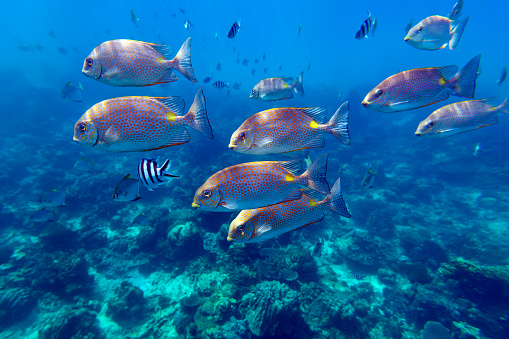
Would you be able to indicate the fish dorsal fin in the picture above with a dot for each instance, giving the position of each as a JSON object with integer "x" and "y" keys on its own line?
{"x": 293, "y": 166}
{"x": 316, "y": 113}
{"x": 174, "y": 104}
{"x": 165, "y": 50}
{"x": 448, "y": 72}
{"x": 288, "y": 80}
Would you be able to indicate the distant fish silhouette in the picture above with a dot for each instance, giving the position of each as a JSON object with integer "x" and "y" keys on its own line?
{"x": 234, "y": 29}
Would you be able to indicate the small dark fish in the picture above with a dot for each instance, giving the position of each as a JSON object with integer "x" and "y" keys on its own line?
{"x": 40, "y": 48}
{"x": 220, "y": 84}
{"x": 253, "y": 71}
{"x": 369, "y": 25}
{"x": 42, "y": 215}
{"x": 501, "y": 80}
{"x": 128, "y": 189}
{"x": 62, "y": 50}
{"x": 263, "y": 56}
{"x": 318, "y": 248}
{"x": 151, "y": 176}
{"x": 280, "y": 67}
{"x": 299, "y": 29}
{"x": 265, "y": 70}
{"x": 256, "y": 61}
{"x": 234, "y": 29}
{"x": 309, "y": 66}
{"x": 26, "y": 48}
{"x": 71, "y": 92}
{"x": 207, "y": 80}
{"x": 409, "y": 25}
{"x": 369, "y": 177}
{"x": 244, "y": 62}
{"x": 187, "y": 24}
{"x": 141, "y": 220}
{"x": 52, "y": 198}
{"x": 218, "y": 67}
{"x": 358, "y": 277}
{"x": 51, "y": 34}
{"x": 134, "y": 18}
{"x": 456, "y": 11}
{"x": 182, "y": 11}
{"x": 236, "y": 85}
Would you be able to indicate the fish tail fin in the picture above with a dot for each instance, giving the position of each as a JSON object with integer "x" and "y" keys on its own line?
{"x": 298, "y": 85}
{"x": 315, "y": 175}
{"x": 338, "y": 124}
{"x": 457, "y": 33}
{"x": 197, "y": 115}
{"x": 463, "y": 83}
{"x": 504, "y": 107}
{"x": 166, "y": 167}
{"x": 182, "y": 61}
{"x": 334, "y": 201}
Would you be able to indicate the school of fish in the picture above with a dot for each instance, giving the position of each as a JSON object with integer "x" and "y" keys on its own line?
{"x": 273, "y": 197}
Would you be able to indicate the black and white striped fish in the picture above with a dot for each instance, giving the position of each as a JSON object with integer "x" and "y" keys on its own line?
{"x": 221, "y": 84}
{"x": 369, "y": 25}
{"x": 234, "y": 29}
{"x": 151, "y": 176}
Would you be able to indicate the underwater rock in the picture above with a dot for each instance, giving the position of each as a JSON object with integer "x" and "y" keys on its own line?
{"x": 270, "y": 305}
{"x": 215, "y": 310}
{"x": 386, "y": 276}
{"x": 276, "y": 265}
{"x": 60, "y": 272}
{"x": 417, "y": 273}
{"x": 147, "y": 238}
{"x": 210, "y": 241}
{"x": 435, "y": 330}
{"x": 15, "y": 305}
{"x": 80, "y": 323}
{"x": 128, "y": 307}
{"x": 484, "y": 284}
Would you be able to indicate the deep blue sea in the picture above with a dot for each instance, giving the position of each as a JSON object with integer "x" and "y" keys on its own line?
{"x": 424, "y": 255}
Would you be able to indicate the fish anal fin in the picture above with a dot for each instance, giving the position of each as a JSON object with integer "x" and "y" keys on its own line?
{"x": 293, "y": 195}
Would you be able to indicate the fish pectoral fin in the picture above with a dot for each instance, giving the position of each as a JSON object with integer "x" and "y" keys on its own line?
{"x": 264, "y": 228}
{"x": 109, "y": 74}
{"x": 111, "y": 136}
{"x": 262, "y": 142}
{"x": 229, "y": 205}
{"x": 393, "y": 104}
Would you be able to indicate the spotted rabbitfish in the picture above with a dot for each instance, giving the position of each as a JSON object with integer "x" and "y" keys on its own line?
{"x": 258, "y": 184}
{"x": 271, "y": 89}
{"x": 260, "y": 224}
{"x": 281, "y": 130}
{"x": 436, "y": 32}
{"x": 461, "y": 117}
{"x": 136, "y": 124}
{"x": 137, "y": 63}
{"x": 421, "y": 87}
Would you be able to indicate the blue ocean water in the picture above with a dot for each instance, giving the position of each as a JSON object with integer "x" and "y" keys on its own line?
{"x": 427, "y": 245}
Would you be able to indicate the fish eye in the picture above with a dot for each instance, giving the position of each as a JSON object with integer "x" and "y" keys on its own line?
{"x": 242, "y": 135}
{"x": 378, "y": 93}
{"x": 82, "y": 127}
{"x": 253, "y": 91}
{"x": 206, "y": 193}
{"x": 420, "y": 29}
{"x": 89, "y": 61}
{"x": 429, "y": 124}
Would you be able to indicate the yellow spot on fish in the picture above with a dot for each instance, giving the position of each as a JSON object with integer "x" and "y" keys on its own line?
{"x": 441, "y": 81}
{"x": 313, "y": 124}
{"x": 171, "y": 116}
{"x": 312, "y": 203}
{"x": 160, "y": 60}
{"x": 289, "y": 177}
